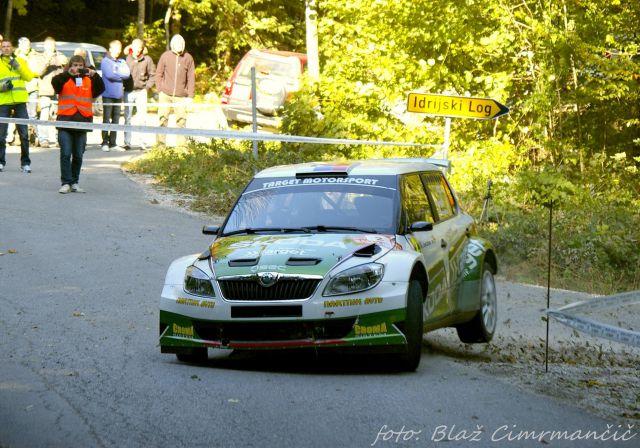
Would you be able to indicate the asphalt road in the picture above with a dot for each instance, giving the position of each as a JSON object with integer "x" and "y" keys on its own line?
{"x": 80, "y": 278}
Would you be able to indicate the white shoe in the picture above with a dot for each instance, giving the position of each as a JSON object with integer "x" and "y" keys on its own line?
{"x": 65, "y": 189}
{"x": 1, "y": 167}
{"x": 26, "y": 169}
{"x": 76, "y": 189}
{"x": 117, "y": 148}
{"x": 105, "y": 148}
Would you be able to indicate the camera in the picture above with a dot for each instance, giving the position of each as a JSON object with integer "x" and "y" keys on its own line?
{"x": 83, "y": 71}
{"x": 6, "y": 86}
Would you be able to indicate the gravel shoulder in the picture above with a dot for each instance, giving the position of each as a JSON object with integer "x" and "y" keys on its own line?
{"x": 597, "y": 375}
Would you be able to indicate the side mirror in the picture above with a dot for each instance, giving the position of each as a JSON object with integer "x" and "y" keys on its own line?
{"x": 421, "y": 226}
{"x": 210, "y": 230}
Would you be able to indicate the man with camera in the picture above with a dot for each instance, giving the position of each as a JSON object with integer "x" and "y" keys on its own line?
{"x": 14, "y": 71}
{"x": 76, "y": 87}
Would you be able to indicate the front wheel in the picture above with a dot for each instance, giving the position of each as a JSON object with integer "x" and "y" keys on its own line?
{"x": 413, "y": 328}
{"x": 483, "y": 325}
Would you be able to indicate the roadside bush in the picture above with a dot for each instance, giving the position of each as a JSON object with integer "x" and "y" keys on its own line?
{"x": 596, "y": 223}
{"x": 216, "y": 173}
{"x": 596, "y": 227}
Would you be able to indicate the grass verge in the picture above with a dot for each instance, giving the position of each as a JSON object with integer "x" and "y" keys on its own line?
{"x": 594, "y": 245}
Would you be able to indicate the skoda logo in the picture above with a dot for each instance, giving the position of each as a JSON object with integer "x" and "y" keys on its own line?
{"x": 267, "y": 279}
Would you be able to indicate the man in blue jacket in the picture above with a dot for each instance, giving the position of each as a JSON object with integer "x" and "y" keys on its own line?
{"x": 114, "y": 71}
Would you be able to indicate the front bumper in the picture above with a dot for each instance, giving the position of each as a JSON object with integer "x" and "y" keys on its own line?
{"x": 244, "y": 115}
{"x": 374, "y": 318}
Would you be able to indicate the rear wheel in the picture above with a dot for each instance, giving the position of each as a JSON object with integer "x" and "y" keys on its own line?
{"x": 483, "y": 325}
{"x": 413, "y": 327}
{"x": 194, "y": 356}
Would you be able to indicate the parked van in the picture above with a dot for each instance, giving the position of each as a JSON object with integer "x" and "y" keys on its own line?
{"x": 95, "y": 53}
{"x": 277, "y": 76}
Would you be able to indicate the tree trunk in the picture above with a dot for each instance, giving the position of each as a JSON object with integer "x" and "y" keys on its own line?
{"x": 7, "y": 20}
{"x": 167, "y": 19}
{"x": 140, "y": 23}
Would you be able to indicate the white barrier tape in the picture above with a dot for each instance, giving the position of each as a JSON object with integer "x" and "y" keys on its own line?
{"x": 152, "y": 104}
{"x": 598, "y": 329}
{"x": 625, "y": 298}
{"x": 566, "y": 316}
{"x": 195, "y": 132}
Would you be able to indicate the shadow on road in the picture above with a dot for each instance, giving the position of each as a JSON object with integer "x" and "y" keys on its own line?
{"x": 306, "y": 361}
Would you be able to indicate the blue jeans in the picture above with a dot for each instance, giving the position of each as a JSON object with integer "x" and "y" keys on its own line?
{"x": 72, "y": 144}
{"x": 19, "y": 111}
{"x": 111, "y": 115}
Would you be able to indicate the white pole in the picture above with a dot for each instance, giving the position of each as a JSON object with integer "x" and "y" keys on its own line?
{"x": 447, "y": 138}
{"x": 254, "y": 111}
{"x": 311, "y": 19}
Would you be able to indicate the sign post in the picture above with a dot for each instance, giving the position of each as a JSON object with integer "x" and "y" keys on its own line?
{"x": 454, "y": 107}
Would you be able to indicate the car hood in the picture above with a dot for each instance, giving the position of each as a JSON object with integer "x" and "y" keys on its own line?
{"x": 308, "y": 254}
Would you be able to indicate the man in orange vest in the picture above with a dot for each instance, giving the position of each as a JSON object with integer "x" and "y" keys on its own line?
{"x": 76, "y": 87}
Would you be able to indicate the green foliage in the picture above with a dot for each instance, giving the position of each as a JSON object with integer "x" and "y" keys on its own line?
{"x": 221, "y": 31}
{"x": 568, "y": 70}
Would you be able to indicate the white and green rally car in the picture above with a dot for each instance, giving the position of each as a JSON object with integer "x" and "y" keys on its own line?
{"x": 363, "y": 254}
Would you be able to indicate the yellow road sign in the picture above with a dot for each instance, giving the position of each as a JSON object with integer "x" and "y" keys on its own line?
{"x": 455, "y": 106}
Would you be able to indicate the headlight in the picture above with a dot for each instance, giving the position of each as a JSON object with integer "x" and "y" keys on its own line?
{"x": 198, "y": 283}
{"x": 359, "y": 278}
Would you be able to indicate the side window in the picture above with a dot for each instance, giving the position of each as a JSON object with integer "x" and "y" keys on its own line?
{"x": 415, "y": 200}
{"x": 440, "y": 194}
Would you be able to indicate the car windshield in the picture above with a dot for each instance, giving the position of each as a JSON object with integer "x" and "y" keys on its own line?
{"x": 292, "y": 207}
{"x": 286, "y": 67}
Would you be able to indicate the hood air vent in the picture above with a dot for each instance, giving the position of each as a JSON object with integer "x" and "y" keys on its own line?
{"x": 293, "y": 261}
{"x": 240, "y": 262}
{"x": 367, "y": 251}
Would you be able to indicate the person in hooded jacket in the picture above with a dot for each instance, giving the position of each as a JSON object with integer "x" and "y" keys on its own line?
{"x": 176, "y": 84}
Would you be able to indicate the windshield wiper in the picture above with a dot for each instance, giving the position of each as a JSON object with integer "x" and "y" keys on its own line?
{"x": 338, "y": 228}
{"x": 252, "y": 230}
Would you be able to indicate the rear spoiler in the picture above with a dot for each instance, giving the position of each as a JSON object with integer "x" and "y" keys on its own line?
{"x": 443, "y": 164}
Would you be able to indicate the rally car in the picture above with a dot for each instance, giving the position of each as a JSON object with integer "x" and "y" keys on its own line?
{"x": 357, "y": 255}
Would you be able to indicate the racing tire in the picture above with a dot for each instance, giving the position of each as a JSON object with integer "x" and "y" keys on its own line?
{"x": 195, "y": 356}
{"x": 413, "y": 329}
{"x": 481, "y": 328}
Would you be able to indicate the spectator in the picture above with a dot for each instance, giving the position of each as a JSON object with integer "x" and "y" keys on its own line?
{"x": 35, "y": 63}
{"x": 143, "y": 72}
{"x": 14, "y": 71}
{"x": 76, "y": 87}
{"x": 12, "y": 127}
{"x": 83, "y": 54}
{"x": 54, "y": 61}
{"x": 176, "y": 83}
{"x": 114, "y": 71}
